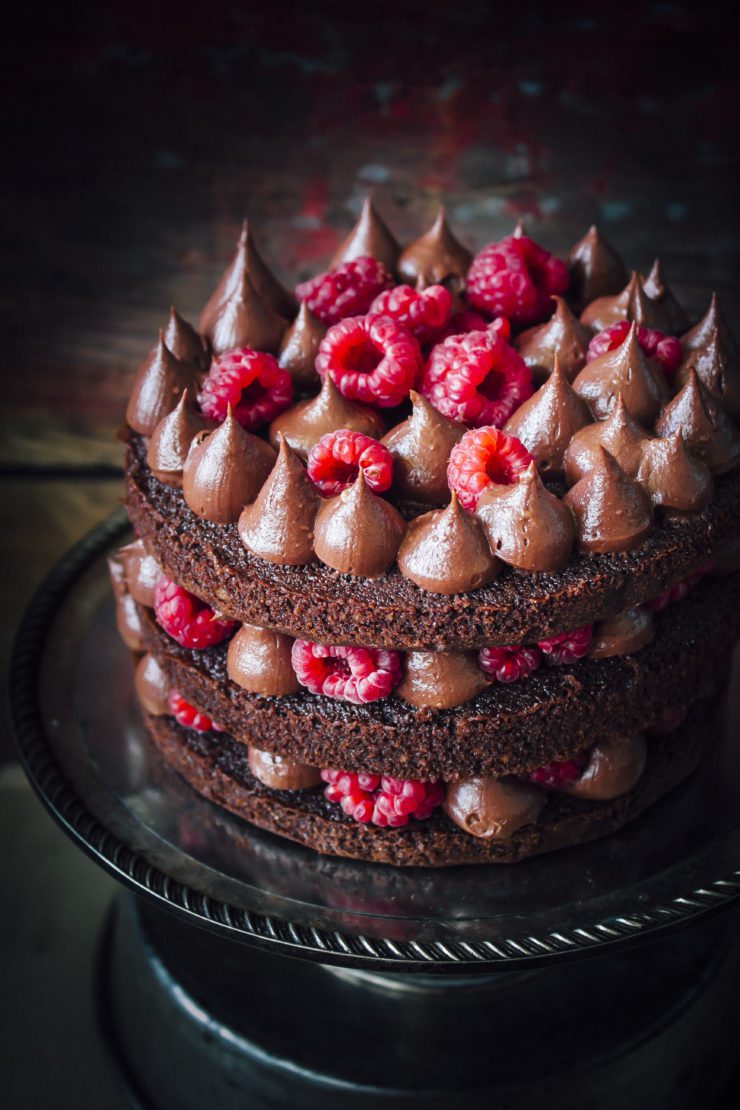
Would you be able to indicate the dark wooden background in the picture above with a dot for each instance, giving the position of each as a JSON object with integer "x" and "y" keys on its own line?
{"x": 137, "y": 135}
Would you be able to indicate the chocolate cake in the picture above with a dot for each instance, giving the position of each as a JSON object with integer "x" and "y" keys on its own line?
{"x": 438, "y": 557}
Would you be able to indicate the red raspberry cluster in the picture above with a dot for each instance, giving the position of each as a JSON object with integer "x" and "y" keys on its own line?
{"x": 353, "y": 674}
{"x": 559, "y": 773}
{"x": 425, "y": 312}
{"x": 387, "y": 802}
{"x": 372, "y": 359}
{"x": 251, "y": 382}
{"x": 516, "y": 278}
{"x": 477, "y": 378}
{"x": 484, "y": 457}
{"x": 186, "y": 618}
{"x": 188, "y": 716}
{"x": 665, "y": 349}
{"x": 348, "y": 290}
{"x": 334, "y": 462}
{"x": 509, "y": 664}
{"x": 567, "y": 647}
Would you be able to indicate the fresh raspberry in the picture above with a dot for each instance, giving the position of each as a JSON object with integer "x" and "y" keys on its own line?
{"x": 516, "y": 278}
{"x": 424, "y": 312}
{"x": 567, "y": 647}
{"x": 333, "y": 462}
{"x": 372, "y": 359}
{"x": 670, "y": 596}
{"x": 477, "y": 378}
{"x": 484, "y": 457}
{"x": 251, "y": 382}
{"x": 188, "y": 716}
{"x": 559, "y": 773}
{"x": 463, "y": 322}
{"x": 509, "y": 664}
{"x": 347, "y": 291}
{"x": 386, "y": 801}
{"x": 665, "y": 349}
{"x": 186, "y": 618}
{"x": 353, "y": 674}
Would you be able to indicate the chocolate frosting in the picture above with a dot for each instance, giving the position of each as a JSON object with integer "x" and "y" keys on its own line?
{"x": 619, "y": 434}
{"x": 446, "y": 552}
{"x": 128, "y": 621}
{"x": 275, "y": 772}
{"x": 547, "y": 421}
{"x": 421, "y": 447}
{"x": 258, "y": 660}
{"x": 157, "y": 388}
{"x": 622, "y": 634}
{"x": 370, "y": 237}
{"x": 141, "y": 572}
{"x": 246, "y": 321}
{"x": 632, "y": 303}
{"x": 562, "y": 337}
{"x": 436, "y": 258}
{"x": 623, "y": 370}
{"x": 596, "y": 270}
{"x": 701, "y": 333}
{"x": 304, "y": 424}
{"x": 613, "y": 513}
{"x": 152, "y": 686}
{"x": 247, "y": 259}
{"x": 526, "y": 525}
{"x": 493, "y": 809}
{"x": 670, "y": 312}
{"x": 300, "y": 346}
{"x": 706, "y": 427}
{"x": 674, "y": 478}
{"x": 441, "y": 679}
{"x": 225, "y": 471}
{"x": 717, "y": 370}
{"x": 614, "y": 767}
{"x": 183, "y": 340}
{"x": 358, "y": 533}
{"x": 279, "y": 525}
{"x": 171, "y": 439}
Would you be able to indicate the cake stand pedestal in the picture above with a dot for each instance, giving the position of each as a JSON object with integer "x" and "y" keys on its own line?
{"x": 239, "y": 970}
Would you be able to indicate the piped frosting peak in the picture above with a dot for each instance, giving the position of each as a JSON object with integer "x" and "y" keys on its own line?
{"x": 436, "y": 257}
{"x": 547, "y": 421}
{"x": 613, "y": 512}
{"x": 421, "y": 447}
{"x": 157, "y": 388}
{"x": 624, "y": 370}
{"x": 357, "y": 532}
{"x": 225, "y": 470}
{"x": 279, "y": 525}
{"x": 370, "y": 237}
{"x": 446, "y": 552}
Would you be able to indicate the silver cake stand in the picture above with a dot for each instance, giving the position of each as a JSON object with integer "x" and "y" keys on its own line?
{"x": 237, "y": 969}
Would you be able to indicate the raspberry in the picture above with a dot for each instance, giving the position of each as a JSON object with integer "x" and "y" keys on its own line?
{"x": 188, "y": 716}
{"x": 678, "y": 591}
{"x": 353, "y": 674}
{"x": 567, "y": 647}
{"x": 666, "y": 349}
{"x": 477, "y": 378}
{"x": 186, "y": 618}
{"x": 559, "y": 773}
{"x": 516, "y": 278}
{"x": 425, "y": 312}
{"x": 386, "y": 801}
{"x": 463, "y": 322}
{"x": 509, "y": 664}
{"x": 349, "y": 290}
{"x": 484, "y": 457}
{"x": 334, "y": 461}
{"x": 251, "y": 382}
{"x": 372, "y": 359}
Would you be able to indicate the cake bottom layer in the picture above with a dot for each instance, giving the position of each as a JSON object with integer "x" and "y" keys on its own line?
{"x": 217, "y": 767}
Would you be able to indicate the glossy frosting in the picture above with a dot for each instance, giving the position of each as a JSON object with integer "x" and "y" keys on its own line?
{"x": 624, "y": 370}
{"x": 421, "y": 447}
{"x": 613, "y": 768}
{"x": 446, "y": 552}
{"x": 527, "y": 526}
{"x": 674, "y": 477}
{"x": 141, "y": 572}
{"x": 247, "y": 260}
{"x": 171, "y": 439}
{"x": 613, "y": 513}
{"x": 718, "y": 370}
{"x": 277, "y": 773}
{"x": 548, "y": 420}
{"x": 493, "y": 809}
{"x": 562, "y": 336}
{"x": 157, "y": 388}
{"x": 244, "y": 320}
{"x": 357, "y": 532}
{"x": 152, "y": 686}
{"x": 706, "y": 427}
{"x": 632, "y": 303}
{"x": 622, "y": 634}
{"x": 619, "y": 434}
{"x": 279, "y": 525}
{"x": 441, "y": 679}
{"x": 225, "y": 471}
{"x": 258, "y": 660}
{"x": 670, "y": 313}
{"x": 712, "y": 321}
{"x": 370, "y": 237}
{"x": 304, "y": 424}
{"x": 596, "y": 270}
{"x": 300, "y": 346}
{"x": 436, "y": 258}
{"x": 182, "y": 339}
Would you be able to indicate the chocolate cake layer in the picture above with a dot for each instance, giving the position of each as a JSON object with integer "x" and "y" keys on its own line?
{"x": 316, "y": 603}
{"x": 508, "y": 729}
{"x": 216, "y": 766}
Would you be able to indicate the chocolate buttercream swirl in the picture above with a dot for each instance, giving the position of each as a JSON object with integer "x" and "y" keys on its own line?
{"x": 358, "y": 533}
{"x": 613, "y": 768}
{"x": 613, "y": 513}
{"x": 548, "y": 420}
{"x": 183, "y": 340}
{"x": 171, "y": 439}
{"x": 279, "y": 526}
{"x": 493, "y": 809}
{"x": 225, "y": 471}
{"x": 421, "y": 447}
{"x": 623, "y": 370}
{"x": 712, "y": 321}
{"x": 258, "y": 660}
{"x": 632, "y": 303}
{"x": 158, "y": 386}
{"x": 304, "y": 424}
{"x": 247, "y": 260}
{"x": 526, "y": 525}
{"x": 152, "y": 686}
{"x": 300, "y": 346}
{"x": 619, "y": 434}
{"x": 704, "y": 424}
{"x": 623, "y": 634}
{"x": 670, "y": 313}
{"x": 441, "y": 679}
{"x": 562, "y": 337}
{"x": 370, "y": 237}
{"x": 717, "y": 370}
{"x": 436, "y": 258}
{"x": 278, "y": 774}
{"x": 596, "y": 270}
{"x": 446, "y": 552}
{"x": 674, "y": 478}
{"x": 141, "y": 572}
{"x": 246, "y": 321}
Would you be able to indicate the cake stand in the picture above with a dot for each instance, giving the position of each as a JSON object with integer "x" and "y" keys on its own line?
{"x": 237, "y": 969}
